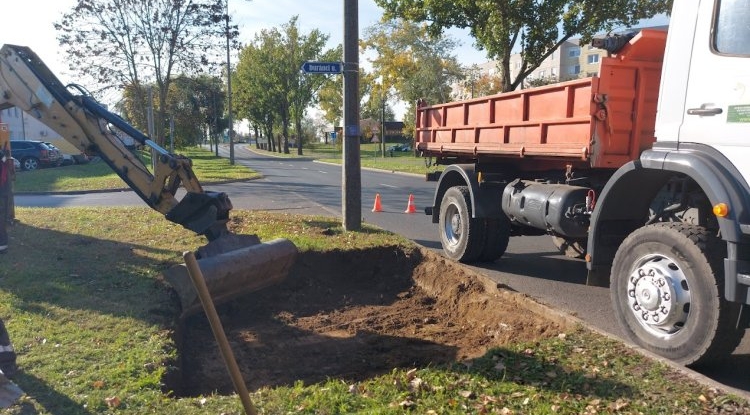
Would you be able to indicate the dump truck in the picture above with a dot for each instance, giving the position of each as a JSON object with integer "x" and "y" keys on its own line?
{"x": 642, "y": 171}
{"x": 232, "y": 264}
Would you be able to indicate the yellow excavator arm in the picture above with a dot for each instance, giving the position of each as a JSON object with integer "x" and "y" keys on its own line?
{"x": 232, "y": 264}
{"x": 27, "y": 83}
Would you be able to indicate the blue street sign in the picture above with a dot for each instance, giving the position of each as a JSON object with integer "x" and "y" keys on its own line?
{"x": 322, "y": 67}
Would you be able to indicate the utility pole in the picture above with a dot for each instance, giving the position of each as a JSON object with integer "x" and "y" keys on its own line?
{"x": 351, "y": 189}
{"x": 229, "y": 93}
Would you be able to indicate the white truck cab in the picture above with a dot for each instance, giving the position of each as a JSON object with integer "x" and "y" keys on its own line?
{"x": 680, "y": 282}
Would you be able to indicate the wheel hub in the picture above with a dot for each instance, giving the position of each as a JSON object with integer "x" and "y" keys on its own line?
{"x": 658, "y": 295}
{"x": 456, "y": 224}
{"x": 452, "y": 225}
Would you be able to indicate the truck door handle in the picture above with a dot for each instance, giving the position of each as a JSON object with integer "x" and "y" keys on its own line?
{"x": 703, "y": 111}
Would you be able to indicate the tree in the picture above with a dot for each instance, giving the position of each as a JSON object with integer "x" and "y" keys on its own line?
{"x": 197, "y": 106}
{"x": 411, "y": 62}
{"x": 330, "y": 98}
{"x": 537, "y": 28}
{"x": 121, "y": 43}
{"x": 271, "y": 90}
{"x": 257, "y": 97}
{"x": 478, "y": 84}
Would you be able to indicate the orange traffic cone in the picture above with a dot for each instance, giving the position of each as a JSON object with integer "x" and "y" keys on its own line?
{"x": 410, "y": 208}
{"x": 377, "y": 207}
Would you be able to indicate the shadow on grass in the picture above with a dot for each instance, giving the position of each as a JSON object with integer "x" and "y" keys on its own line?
{"x": 48, "y": 267}
{"x": 47, "y": 397}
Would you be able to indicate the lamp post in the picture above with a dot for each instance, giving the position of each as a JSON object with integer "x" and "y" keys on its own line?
{"x": 382, "y": 119}
{"x": 229, "y": 91}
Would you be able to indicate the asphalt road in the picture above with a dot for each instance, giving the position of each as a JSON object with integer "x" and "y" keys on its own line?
{"x": 531, "y": 265}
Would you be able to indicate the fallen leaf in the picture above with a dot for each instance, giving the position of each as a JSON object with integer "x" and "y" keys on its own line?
{"x": 702, "y": 399}
{"x": 500, "y": 366}
{"x": 98, "y": 384}
{"x": 411, "y": 374}
{"x": 112, "y": 401}
{"x": 618, "y": 404}
{"x": 467, "y": 394}
{"x": 416, "y": 385}
{"x": 551, "y": 374}
{"x": 406, "y": 403}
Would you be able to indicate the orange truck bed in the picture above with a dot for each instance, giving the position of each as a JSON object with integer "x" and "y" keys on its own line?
{"x": 600, "y": 122}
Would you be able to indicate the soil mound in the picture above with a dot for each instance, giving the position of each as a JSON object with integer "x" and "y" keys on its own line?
{"x": 357, "y": 314}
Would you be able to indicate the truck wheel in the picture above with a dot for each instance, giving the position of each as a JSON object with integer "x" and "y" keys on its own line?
{"x": 496, "y": 237}
{"x": 667, "y": 293}
{"x": 571, "y": 248}
{"x": 461, "y": 235}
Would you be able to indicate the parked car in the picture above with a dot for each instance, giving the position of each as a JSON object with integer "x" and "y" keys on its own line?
{"x": 68, "y": 160}
{"x": 400, "y": 147}
{"x": 80, "y": 158}
{"x": 34, "y": 154}
{"x": 55, "y": 149}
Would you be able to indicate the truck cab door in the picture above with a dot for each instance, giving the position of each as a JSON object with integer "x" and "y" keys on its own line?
{"x": 717, "y": 101}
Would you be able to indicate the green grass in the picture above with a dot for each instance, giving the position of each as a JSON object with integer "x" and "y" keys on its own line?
{"x": 82, "y": 299}
{"x": 98, "y": 175}
{"x": 370, "y": 157}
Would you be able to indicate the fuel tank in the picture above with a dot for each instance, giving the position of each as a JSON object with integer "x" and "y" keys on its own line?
{"x": 558, "y": 208}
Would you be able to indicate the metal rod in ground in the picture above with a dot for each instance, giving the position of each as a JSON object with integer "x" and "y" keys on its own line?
{"x": 213, "y": 318}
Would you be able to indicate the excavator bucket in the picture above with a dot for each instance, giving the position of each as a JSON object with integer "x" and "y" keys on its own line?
{"x": 233, "y": 265}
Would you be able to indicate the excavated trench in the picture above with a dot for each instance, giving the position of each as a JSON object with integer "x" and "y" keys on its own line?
{"x": 353, "y": 315}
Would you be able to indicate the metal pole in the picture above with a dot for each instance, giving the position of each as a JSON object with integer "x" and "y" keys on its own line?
{"x": 351, "y": 195}
{"x": 151, "y": 128}
{"x": 382, "y": 119}
{"x": 229, "y": 94}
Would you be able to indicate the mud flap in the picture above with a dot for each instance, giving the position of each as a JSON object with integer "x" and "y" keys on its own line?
{"x": 231, "y": 271}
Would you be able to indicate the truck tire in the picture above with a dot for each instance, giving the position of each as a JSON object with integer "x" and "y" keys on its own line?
{"x": 496, "y": 238}
{"x": 571, "y": 248}
{"x": 461, "y": 235}
{"x": 667, "y": 292}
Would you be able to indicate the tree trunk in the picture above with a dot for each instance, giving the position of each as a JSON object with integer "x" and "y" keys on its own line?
{"x": 285, "y": 135}
{"x": 298, "y": 125}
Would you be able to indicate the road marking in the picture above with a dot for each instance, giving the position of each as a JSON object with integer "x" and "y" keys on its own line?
{"x": 389, "y": 185}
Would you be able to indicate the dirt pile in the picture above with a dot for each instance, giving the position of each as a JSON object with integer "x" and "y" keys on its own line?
{"x": 357, "y": 314}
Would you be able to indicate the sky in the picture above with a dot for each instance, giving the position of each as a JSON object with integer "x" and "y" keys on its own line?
{"x": 30, "y": 23}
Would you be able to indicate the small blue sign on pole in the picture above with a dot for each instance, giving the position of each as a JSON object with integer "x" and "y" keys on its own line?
{"x": 322, "y": 67}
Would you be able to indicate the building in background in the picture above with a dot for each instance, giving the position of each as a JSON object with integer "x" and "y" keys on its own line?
{"x": 570, "y": 61}
{"x": 22, "y": 126}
